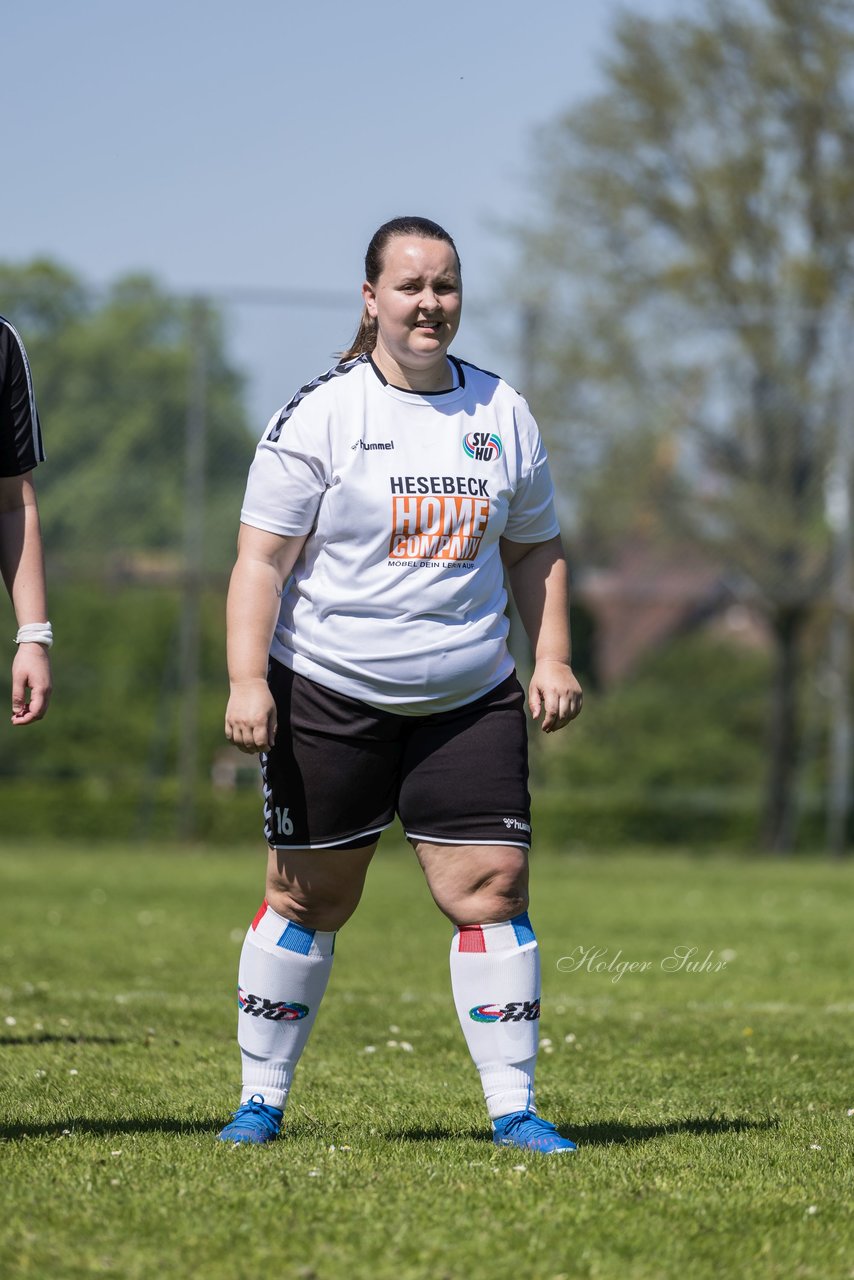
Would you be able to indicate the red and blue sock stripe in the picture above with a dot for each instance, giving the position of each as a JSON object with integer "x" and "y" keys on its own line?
{"x": 509, "y": 934}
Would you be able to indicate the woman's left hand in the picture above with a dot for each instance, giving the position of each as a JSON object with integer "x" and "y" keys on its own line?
{"x": 555, "y": 694}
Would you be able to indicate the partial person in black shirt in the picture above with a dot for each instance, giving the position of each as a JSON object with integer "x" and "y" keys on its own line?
{"x": 21, "y": 555}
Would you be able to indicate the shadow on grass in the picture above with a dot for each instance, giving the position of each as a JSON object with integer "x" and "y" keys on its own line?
{"x": 104, "y": 1126}
{"x": 49, "y": 1038}
{"x": 588, "y": 1135}
{"x": 609, "y": 1133}
{"x": 64, "y": 1128}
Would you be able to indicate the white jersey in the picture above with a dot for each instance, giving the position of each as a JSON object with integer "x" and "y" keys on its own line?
{"x": 398, "y": 597}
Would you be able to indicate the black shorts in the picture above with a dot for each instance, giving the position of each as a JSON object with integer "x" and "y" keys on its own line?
{"x": 340, "y": 769}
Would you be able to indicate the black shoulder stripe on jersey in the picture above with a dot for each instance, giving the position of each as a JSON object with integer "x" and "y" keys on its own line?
{"x": 458, "y": 365}
{"x": 345, "y": 367}
{"x": 37, "y": 442}
{"x": 468, "y": 365}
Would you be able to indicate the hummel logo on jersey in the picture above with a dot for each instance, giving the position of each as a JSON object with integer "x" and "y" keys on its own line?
{"x": 513, "y": 1011}
{"x": 360, "y": 444}
{"x": 514, "y": 824}
{"x": 272, "y": 1010}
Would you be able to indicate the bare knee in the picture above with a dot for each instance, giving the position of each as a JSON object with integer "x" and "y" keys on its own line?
{"x": 498, "y": 897}
{"x": 476, "y": 884}
{"x": 313, "y": 910}
{"x": 318, "y": 890}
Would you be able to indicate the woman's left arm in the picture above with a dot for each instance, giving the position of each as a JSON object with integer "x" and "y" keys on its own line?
{"x": 538, "y": 580}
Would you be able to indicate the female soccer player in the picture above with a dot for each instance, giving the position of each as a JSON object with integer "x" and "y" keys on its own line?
{"x": 21, "y": 555}
{"x": 368, "y": 661}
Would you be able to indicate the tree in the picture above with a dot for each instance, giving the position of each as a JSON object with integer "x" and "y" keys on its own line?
{"x": 695, "y": 257}
{"x": 113, "y": 375}
{"x": 139, "y": 403}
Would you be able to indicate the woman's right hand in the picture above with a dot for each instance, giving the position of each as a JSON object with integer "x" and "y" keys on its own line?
{"x": 250, "y": 717}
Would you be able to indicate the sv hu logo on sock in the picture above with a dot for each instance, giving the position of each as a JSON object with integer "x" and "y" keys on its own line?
{"x": 513, "y": 1011}
{"x": 272, "y": 1010}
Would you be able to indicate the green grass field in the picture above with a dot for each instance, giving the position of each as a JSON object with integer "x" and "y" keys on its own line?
{"x": 713, "y": 1107}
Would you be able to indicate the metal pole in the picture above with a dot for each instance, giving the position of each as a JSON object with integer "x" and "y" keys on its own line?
{"x": 839, "y": 519}
{"x": 517, "y": 640}
{"x": 194, "y": 546}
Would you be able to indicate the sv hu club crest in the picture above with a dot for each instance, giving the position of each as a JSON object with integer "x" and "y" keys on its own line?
{"x": 482, "y": 446}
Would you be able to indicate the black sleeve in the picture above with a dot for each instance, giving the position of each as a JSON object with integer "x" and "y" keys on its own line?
{"x": 21, "y": 446}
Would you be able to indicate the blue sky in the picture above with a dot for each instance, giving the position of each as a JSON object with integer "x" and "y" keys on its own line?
{"x": 220, "y": 145}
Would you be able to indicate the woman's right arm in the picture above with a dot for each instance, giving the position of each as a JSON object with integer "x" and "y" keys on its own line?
{"x": 22, "y": 570}
{"x": 264, "y": 562}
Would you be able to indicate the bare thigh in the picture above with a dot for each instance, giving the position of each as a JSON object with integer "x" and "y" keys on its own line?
{"x": 476, "y": 884}
{"x": 317, "y": 888}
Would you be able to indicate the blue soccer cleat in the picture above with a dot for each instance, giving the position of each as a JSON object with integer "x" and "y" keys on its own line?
{"x": 526, "y": 1130}
{"x": 253, "y": 1122}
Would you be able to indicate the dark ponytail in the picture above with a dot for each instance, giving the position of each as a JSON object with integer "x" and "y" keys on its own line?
{"x": 366, "y": 335}
{"x": 365, "y": 339}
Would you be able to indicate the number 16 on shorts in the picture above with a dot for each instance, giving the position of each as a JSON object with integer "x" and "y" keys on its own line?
{"x": 284, "y": 826}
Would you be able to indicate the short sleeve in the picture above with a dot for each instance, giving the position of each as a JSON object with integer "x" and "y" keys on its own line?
{"x": 21, "y": 446}
{"x": 532, "y": 516}
{"x": 288, "y": 475}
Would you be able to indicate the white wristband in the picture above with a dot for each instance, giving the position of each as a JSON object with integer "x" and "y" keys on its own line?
{"x": 35, "y": 633}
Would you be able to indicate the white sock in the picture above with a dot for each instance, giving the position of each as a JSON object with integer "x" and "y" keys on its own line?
{"x": 284, "y": 969}
{"x": 495, "y": 976}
